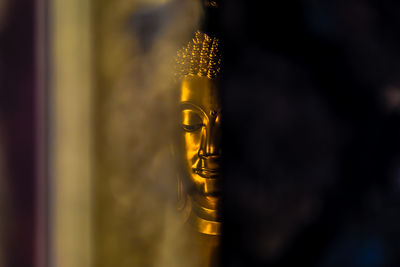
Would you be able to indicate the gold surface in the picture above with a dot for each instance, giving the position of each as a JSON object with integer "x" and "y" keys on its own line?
{"x": 201, "y": 124}
{"x": 198, "y": 68}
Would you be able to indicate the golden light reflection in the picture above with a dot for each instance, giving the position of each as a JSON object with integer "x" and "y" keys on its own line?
{"x": 201, "y": 127}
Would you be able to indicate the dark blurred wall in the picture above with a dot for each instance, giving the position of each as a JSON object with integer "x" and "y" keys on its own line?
{"x": 17, "y": 118}
{"x": 311, "y": 126}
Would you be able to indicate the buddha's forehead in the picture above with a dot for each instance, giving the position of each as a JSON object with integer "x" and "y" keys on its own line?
{"x": 200, "y": 91}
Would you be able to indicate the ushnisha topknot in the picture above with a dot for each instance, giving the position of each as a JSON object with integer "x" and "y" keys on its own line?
{"x": 211, "y": 3}
{"x": 200, "y": 57}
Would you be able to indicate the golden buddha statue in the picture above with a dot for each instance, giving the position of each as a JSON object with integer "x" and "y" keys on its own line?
{"x": 198, "y": 68}
{"x": 201, "y": 115}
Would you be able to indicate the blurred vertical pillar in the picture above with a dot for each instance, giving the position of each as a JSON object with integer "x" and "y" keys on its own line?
{"x": 71, "y": 133}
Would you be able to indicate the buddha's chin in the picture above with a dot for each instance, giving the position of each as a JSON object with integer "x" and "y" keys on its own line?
{"x": 205, "y": 199}
{"x": 206, "y": 186}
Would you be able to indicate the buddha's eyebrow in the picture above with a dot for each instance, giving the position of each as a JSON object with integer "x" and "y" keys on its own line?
{"x": 190, "y": 105}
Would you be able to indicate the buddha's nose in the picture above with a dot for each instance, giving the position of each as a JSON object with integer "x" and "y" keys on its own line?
{"x": 210, "y": 142}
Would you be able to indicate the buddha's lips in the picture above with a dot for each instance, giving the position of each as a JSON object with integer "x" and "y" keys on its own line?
{"x": 206, "y": 173}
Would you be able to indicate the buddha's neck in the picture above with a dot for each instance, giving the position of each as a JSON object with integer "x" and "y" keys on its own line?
{"x": 204, "y": 215}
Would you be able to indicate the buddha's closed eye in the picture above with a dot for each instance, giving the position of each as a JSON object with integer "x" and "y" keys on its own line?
{"x": 191, "y": 121}
{"x": 192, "y": 128}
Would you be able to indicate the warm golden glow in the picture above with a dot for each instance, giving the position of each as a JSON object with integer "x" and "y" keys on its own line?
{"x": 201, "y": 126}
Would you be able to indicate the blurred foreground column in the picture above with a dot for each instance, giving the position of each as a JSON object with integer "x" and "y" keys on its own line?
{"x": 70, "y": 127}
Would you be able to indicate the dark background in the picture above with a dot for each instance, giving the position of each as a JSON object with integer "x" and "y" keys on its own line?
{"x": 311, "y": 133}
{"x": 18, "y": 133}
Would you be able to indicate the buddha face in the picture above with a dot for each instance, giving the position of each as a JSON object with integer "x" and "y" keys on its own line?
{"x": 201, "y": 115}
